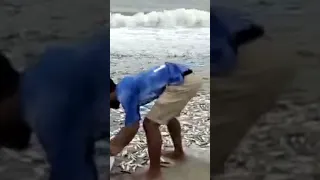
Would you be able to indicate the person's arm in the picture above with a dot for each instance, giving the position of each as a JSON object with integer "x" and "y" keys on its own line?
{"x": 132, "y": 124}
{"x": 123, "y": 138}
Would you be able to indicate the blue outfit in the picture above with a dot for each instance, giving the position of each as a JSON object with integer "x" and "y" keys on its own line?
{"x": 135, "y": 91}
{"x": 228, "y": 31}
{"x": 65, "y": 101}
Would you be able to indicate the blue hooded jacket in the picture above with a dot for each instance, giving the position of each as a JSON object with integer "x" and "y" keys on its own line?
{"x": 229, "y": 30}
{"x": 70, "y": 77}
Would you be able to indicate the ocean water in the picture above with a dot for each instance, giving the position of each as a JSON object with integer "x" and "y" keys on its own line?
{"x": 147, "y": 33}
{"x": 142, "y": 40}
{"x": 135, "y": 6}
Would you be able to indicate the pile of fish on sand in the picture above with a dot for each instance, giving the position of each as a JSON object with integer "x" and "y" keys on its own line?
{"x": 195, "y": 127}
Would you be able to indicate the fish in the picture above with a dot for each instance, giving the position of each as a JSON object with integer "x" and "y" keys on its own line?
{"x": 195, "y": 126}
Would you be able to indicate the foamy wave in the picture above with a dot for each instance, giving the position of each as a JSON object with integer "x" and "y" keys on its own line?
{"x": 166, "y": 18}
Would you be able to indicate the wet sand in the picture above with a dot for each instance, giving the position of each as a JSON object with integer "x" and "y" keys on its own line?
{"x": 196, "y": 166}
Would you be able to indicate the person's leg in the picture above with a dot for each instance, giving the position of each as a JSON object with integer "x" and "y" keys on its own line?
{"x": 154, "y": 141}
{"x": 174, "y": 129}
{"x": 240, "y": 99}
{"x": 169, "y": 105}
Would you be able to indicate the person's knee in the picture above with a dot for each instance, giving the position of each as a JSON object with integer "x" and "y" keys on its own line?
{"x": 173, "y": 122}
{"x": 149, "y": 123}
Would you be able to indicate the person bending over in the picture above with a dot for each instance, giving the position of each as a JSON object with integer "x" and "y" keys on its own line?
{"x": 172, "y": 86}
{"x": 62, "y": 100}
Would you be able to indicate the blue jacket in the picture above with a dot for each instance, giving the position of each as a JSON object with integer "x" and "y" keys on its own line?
{"x": 70, "y": 77}
{"x": 229, "y": 30}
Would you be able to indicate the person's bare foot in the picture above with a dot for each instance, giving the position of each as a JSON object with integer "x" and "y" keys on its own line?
{"x": 175, "y": 156}
{"x": 148, "y": 175}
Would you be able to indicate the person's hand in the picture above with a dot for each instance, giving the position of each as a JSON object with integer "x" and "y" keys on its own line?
{"x": 123, "y": 138}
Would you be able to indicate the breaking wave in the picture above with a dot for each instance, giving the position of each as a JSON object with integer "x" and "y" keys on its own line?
{"x": 162, "y": 19}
